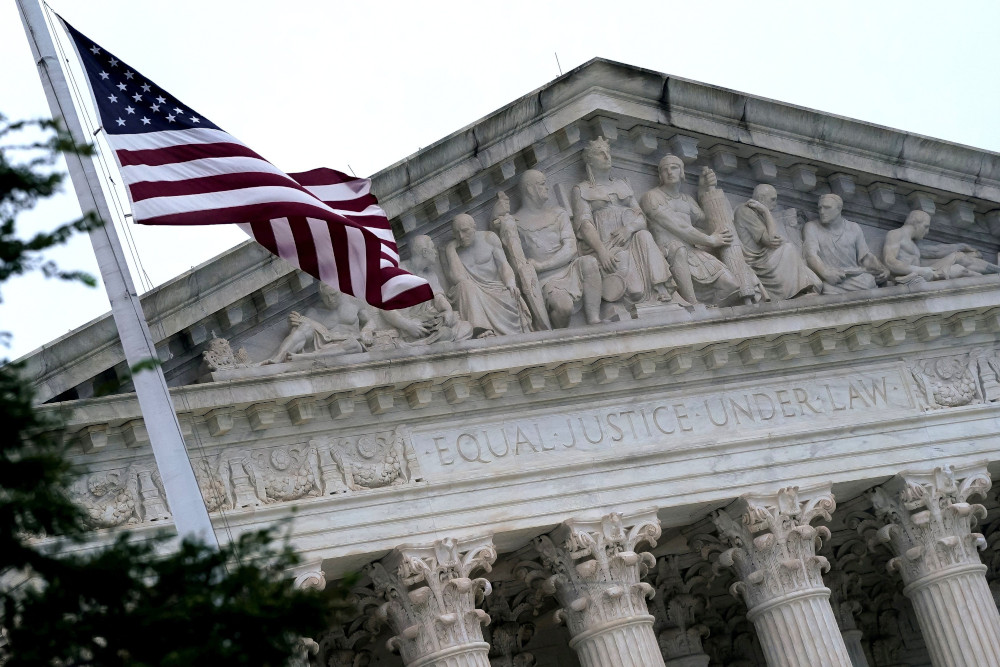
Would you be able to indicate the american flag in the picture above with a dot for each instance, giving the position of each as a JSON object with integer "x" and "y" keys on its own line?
{"x": 181, "y": 169}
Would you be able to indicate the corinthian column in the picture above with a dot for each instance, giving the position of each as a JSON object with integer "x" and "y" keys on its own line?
{"x": 431, "y": 602}
{"x": 773, "y": 551}
{"x": 594, "y": 571}
{"x": 926, "y": 520}
{"x": 678, "y": 605}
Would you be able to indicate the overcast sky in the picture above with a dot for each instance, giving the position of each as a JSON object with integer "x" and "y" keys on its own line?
{"x": 365, "y": 84}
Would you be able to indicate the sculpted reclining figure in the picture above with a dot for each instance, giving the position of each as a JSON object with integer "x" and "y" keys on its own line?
{"x": 910, "y": 262}
{"x": 483, "y": 287}
{"x": 673, "y": 218}
{"x": 777, "y": 263}
{"x": 836, "y": 250}
{"x": 432, "y": 321}
{"x": 611, "y": 226}
{"x": 541, "y": 236}
{"x": 343, "y": 326}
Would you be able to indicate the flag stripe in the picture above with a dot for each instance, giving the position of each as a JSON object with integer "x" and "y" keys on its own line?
{"x": 155, "y": 157}
{"x": 182, "y": 169}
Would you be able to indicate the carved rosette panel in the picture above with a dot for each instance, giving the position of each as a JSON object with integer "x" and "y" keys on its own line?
{"x": 431, "y": 600}
{"x": 927, "y": 520}
{"x": 773, "y": 544}
{"x": 121, "y": 497}
{"x": 367, "y": 461}
{"x": 951, "y": 381}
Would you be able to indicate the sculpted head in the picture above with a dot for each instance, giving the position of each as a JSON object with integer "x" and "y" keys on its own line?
{"x": 422, "y": 252}
{"x": 830, "y": 207}
{"x": 671, "y": 169}
{"x": 464, "y": 229}
{"x": 329, "y": 296}
{"x": 921, "y": 223}
{"x": 766, "y": 195}
{"x": 597, "y": 154}
{"x": 534, "y": 189}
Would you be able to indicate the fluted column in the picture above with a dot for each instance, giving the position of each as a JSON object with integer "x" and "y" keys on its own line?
{"x": 430, "y": 602}
{"x": 677, "y": 607}
{"x": 926, "y": 520}
{"x": 846, "y": 606}
{"x": 773, "y": 551}
{"x": 507, "y": 633}
{"x": 594, "y": 570}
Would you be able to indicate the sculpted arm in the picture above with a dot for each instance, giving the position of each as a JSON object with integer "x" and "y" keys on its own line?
{"x": 583, "y": 217}
{"x": 503, "y": 268}
{"x": 867, "y": 259}
{"x": 566, "y": 252}
{"x": 891, "y": 256}
{"x": 939, "y": 250}
{"x": 676, "y": 223}
{"x": 810, "y": 248}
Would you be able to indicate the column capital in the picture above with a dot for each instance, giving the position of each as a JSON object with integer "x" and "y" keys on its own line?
{"x": 773, "y": 542}
{"x": 925, "y": 517}
{"x": 679, "y": 604}
{"x": 507, "y": 633}
{"x": 597, "y": 568}
{"x": 431, "y": 597}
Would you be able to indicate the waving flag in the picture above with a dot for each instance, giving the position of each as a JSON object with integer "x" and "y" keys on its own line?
{"x": 182, "y": 169}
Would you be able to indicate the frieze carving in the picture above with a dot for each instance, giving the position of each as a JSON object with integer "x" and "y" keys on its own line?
{"x": 237, "y": 478}
{"x": 950, "y": 381}
{"x": 120, "y": 497}
{"x": 220, "y": 356}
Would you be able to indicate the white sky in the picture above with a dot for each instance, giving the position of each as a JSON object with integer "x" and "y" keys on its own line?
{"x": 310, "y": 84}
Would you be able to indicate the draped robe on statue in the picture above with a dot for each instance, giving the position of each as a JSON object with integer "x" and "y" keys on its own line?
{"x": 782, "y": 270}
{"x": 481, "y": 298}
{"x": 844, "y": 251}
{"x": 640, "y": 263}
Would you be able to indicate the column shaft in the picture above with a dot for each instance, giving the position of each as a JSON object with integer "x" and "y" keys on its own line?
{"x": 852, "y": 640}
{"x": 799, "y": 630}
{"x": 628, "y": 642}
{"x": 957, "y": 617}
{"x": 467, "y": 655}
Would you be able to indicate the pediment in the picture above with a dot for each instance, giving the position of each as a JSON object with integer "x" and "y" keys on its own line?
{"x": 245, "y": 296}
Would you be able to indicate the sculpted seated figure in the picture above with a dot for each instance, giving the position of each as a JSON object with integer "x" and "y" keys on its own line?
{"x": 777, "y": 263}
{"x": 548, "y": 244}
{"x": 482, "y": 282}
{"x": 432, "y": 321}
{"x": 836, "y": 250}
{"x": 909, "y": 262}
{"x": 342, "y": 326}
{"x": 611, "y": 226}
{"x": 673, "y": 218}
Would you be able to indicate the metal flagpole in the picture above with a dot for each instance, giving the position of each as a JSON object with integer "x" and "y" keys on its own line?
{"x": 183, "y": 495}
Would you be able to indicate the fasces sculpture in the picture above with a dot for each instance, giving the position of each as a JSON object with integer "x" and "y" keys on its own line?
{"x": 836, "y": 250}
{"x": 673, "y": 217}
{"x": 611, "y": 226}
{"x": 432, "y": 321}
{"x": 910, "y": 261}
{"x": 541, "y": 237}
{"x": 777, "y": 263}
{"x": 341, "y": 326}
{"x": 483, "y": 288}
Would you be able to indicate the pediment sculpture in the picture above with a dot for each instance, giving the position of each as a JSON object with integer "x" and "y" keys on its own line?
{"x": 577, "y": 252}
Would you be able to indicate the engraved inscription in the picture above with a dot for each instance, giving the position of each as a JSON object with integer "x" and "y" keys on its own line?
{"x": 671, "y": 423}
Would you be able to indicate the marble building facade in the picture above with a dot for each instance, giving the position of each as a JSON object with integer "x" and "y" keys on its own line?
{"x": 708, "y": 379}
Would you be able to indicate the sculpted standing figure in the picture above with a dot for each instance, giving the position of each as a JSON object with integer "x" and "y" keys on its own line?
{"x": 909, "y": 262}
{"x": 482, "y": 282}
{"x": 836, "y": 250}
{"x": 777, "y": 263}
{"x": 431, "y": 321}
{"x": 548, "y": 244}
{"x": 673, "y": 217}
{"x": 343, "y": 326}
{"x": 611, "y": 226}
